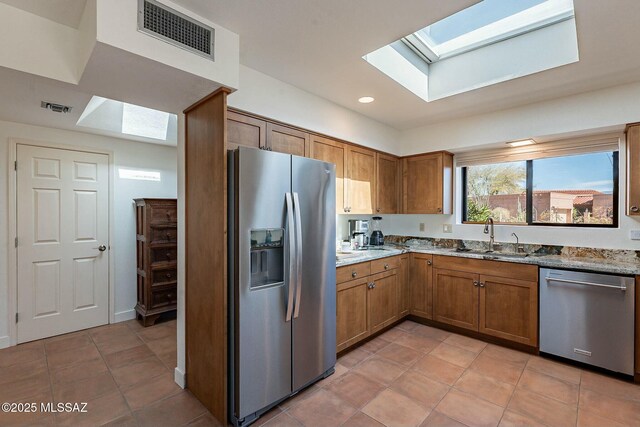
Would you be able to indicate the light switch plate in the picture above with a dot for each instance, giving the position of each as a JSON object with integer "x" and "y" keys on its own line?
{"x": 634, "y": 234}
{"x": 447, "y": 228}
{"x": 422, "y": 226}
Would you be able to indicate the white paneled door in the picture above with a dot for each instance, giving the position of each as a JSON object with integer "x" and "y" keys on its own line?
{"x": 63, "y": 241}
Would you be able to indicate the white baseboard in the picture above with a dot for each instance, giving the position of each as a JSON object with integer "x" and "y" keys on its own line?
{"x": 125, "y": 315}
{"x": 5, "y": 342}
{"x": 180, "y": 378}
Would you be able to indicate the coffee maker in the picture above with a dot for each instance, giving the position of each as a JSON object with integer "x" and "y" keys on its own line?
{"x": 359, "y": 233}
{"x": 377, "y": 238}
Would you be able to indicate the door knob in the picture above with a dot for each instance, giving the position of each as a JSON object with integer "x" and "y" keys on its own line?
{"x": 634, "y": 209}
{"x": 101, "y": 248}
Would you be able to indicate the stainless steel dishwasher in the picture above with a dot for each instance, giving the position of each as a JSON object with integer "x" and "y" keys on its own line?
{"x": 588, "y": 317}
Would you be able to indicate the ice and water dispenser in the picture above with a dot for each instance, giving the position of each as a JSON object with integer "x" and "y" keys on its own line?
{"x": 267, "y": 257}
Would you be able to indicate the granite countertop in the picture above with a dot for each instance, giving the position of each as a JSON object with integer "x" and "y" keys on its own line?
{"x": 552, "y": 261}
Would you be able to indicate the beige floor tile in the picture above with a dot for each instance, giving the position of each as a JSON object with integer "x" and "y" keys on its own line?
{"x": 163, "y": 345}
{"x": 78, "y": 371}
{"x": 84, "y": 390}
{"x": 394, "y": 334}
{"x": 418, "y": 342}
{"x": 134, "y": 373}
{"x": 118, "y": 343}
{"x": 408, "y": 325}
{"x": 555, "y": 369}
{"x": 436, "y": 419}
{"x": 497, "y": 369}
{"x": 354, "y": 357}
{"x": 453, "y": 354}
{"x": 22, "y": 353}
{"x": 100, "y": 411}
{"x": 424, "y": 391}
{"x": 127, "y": 420}
{"x": 466, "y": 343}
{"x": 128, "y": 356}
{"x": 587, "y": 418}
{"x": 394, "y": 409}
{"x": 548, "y": 386}
{"x": 621, "y": 410}
{"x": 274, "y": 412}
{"x": 487, "y": 388}
{"x": 375, "y": 345}
{"x": 301, "y": 396}
{"x": 355, "y": 389}
{"x": 339, "y": 371}
{"x": 73, "y": 356}
{"x": 322, "y": 409}
{"x": 438, "y": 369}
{"x": 610, "y": 386}
{"x": 25, "y": 387}
{"x": 156, "y": 332}
{"x": 380, "y": 369}
{"x": 400, "y": 354}
{"x": 169, "y": 358}
{"x": 37, "y": 418}
{"x": 514, "y": 419}
{"x": 362, "y": 420}
{"x": 469, "y": 410}
{"x": 543, "y": 409}
{"x": 22, "y": 371}
{"x": 148, "y": 392}
{"x": 283, "y": 420}
{"x": 105, "y": 333}
{"x": 506, "y": 354}
{"x": 176, "y": 410}
{"x": 135, "y": 325}
{"x": 429, "y": 332}
{"x": 64, "y": 344}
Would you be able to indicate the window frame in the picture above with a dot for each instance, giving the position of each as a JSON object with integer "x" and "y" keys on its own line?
{"x": 529, "y": 199}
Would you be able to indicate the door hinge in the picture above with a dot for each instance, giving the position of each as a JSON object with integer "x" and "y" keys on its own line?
{"x": 16, "y": 317}
{"x": 15, "y": 165}
{"x": 16, "y": 242}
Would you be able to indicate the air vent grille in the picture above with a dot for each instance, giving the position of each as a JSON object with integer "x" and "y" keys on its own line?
{"x": 175, "y": 28}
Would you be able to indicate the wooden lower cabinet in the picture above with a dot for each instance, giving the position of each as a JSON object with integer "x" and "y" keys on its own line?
{"x": 383, "y": 300}
{"x": 352, "y": 313}
{"x": 455, "y": 295}
{"x": 509, "y": 309}
{"x": 404, "y": 288}
{"x": 421, "y": 285}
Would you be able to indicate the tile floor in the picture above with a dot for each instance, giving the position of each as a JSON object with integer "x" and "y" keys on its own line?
{"x": 123, "y": 371}
{"x": 415, "y": 375}
{"x": 412, "y": 375}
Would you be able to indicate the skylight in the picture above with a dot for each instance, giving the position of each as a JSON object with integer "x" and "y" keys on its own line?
{"x": 487, "y": 22}
{"x": 145, "y": 122}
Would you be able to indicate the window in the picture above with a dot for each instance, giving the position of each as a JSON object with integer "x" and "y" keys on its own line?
{"x": 576, "y": 190}
{"x": 486, "y": 22}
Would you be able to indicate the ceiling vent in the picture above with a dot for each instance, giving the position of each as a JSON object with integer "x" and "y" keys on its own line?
{"x": 175, "y": 28}
{"x": 57, "y": 108}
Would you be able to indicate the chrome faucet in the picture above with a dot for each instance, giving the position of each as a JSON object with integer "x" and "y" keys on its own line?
{"x": 488, "y": 229}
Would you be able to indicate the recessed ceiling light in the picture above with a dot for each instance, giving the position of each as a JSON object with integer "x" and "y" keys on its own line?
{"x": 366, "y": 99}
{"x": 521, "y": 143}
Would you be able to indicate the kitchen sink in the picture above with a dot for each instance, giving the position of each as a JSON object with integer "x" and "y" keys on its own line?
{"x": 492, "y": 254}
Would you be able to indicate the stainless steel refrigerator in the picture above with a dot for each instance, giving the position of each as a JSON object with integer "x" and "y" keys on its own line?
{"x": 282, "y": 278}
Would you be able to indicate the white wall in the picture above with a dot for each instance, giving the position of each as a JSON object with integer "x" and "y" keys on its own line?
{"x": 127, "y": 154}
{"x": 264, "y": 95}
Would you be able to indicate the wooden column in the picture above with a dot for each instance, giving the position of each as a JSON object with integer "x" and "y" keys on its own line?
{"x": 206, "y": 251}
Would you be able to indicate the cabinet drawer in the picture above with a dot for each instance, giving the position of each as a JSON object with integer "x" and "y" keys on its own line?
{"x": 164, "y": 277}
{"x": 350, "y": 272}
{"x": 384, "y": 264}
{"x": 160, "y": 214}
{"x": 164, "y": 254}
{"x": 163, "y": 297}
{"x": 164, "y": 234}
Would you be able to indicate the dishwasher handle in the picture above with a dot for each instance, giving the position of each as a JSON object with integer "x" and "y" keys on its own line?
{"x": 622, "y": 287}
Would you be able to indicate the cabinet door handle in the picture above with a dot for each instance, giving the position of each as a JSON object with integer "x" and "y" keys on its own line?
{"x": 386, "y": 266}
{"x": 439, "y": 209}
{"x": 634, "y": 209}
{"x": 429, "y": 262}
{"x": 476, "y": 283}
{"x": 354, "y": 274}
{"x": 481, "y": 284}
{"x": 168, "y": 255}
{"x": 168, "y": 275}
{"x": 378, "y": 210}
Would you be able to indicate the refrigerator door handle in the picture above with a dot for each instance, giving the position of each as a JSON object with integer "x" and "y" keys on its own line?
{"x": 292, "y": 255}
{"x": 296, "y": 203}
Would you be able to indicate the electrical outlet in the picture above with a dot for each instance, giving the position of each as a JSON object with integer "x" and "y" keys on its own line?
{"x": 422, "y": 226}
{"x": 447, "y": 228}
{"x": 634, "y": 234}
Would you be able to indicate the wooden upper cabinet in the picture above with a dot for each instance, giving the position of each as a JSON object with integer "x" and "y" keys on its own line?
{"x": 455, "y": 298}
{"x": 387, "y": 184}
{"x": 335, "y": 152}
{"x": 284, "y": 139}
{"x": 383, "y": 300}
{"x": 361, "y": 182}
{"x": 509, "y": 309}
{"x": 245, "y": 131}
{"x": 633, "y": 169}
{"x": 427, "y": 184}
{"x": 421, "y": 285}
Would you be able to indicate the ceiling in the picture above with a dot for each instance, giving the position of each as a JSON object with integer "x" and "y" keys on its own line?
{"x": 318, "y": 47}
{"x": 65, "y": 12}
